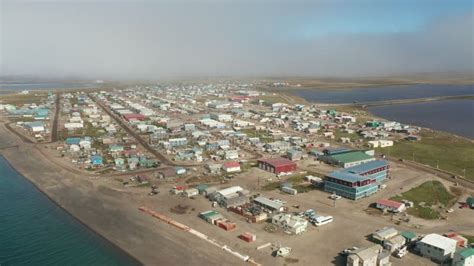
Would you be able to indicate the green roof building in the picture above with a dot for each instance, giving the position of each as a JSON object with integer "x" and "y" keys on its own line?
{"x": 464, "y": 257}
{"x": 408, "y": 235}
{"x": 350, "y": 158}
{"x": 470, "y": 202}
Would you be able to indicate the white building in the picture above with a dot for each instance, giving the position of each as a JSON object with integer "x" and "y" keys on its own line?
{"x": 292, "y": 224}
{"x": 380, "y": 143}
{"x": 73, "y": 126}
{"x": 231, "y": 167}
{"x": 221, "y": 117}
{"x": 437, "y": 247}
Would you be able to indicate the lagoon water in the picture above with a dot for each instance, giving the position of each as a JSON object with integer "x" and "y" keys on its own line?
{"x": 35, "y": 231}
{"x": 453, "y": 116}
{"x": 383, "y": 93}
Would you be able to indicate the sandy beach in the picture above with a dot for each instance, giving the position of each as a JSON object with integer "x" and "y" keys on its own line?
{"x": 110, "y": 213}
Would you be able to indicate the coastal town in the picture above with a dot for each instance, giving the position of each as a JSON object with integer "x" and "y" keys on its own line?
{"x": 265, "y": 176}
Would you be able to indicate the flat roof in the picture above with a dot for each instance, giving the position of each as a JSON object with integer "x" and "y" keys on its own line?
{"x": 466, "y": 252}
{"x": 348, "y": 177}
{"x": 352, "y": 156}
{"x": 268, "y": 202}
{"x": 439, "y": 241}
{"x": 365, "y": 167}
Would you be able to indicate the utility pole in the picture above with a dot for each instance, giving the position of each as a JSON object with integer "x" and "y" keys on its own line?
{"x": 437, "y": 164}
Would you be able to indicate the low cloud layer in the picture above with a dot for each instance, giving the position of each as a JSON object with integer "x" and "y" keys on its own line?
{"x": 153, "y": 40}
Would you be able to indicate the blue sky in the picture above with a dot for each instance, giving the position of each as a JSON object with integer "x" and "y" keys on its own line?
{"x": 146, "y": 39}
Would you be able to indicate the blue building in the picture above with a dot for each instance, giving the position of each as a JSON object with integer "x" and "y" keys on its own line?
{"x": 359, "y": 181}
{"x": 377, "y": 169}
{"x": 96, "y": 160}
{"x": 73, "y": 141}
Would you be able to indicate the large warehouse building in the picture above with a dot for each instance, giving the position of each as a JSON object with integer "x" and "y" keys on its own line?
{"x": 277, "y": 165}
{"x": 345, "y": 158}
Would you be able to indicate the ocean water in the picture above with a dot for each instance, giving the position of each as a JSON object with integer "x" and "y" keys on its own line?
{"x": 453, "y": 116}
{"x": 35, "y": 231}
{"x": 383, "y": 93}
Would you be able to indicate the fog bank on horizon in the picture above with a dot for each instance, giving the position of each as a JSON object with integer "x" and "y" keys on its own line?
{"x": 165, "y": 39}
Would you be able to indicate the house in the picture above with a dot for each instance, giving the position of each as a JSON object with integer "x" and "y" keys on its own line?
{"x": 231, "y": 167}
{"x": 134, "y": 117}
{"x": 119, "y": 162}
{"x": 462, "y": 242}
{"x": 221, "y": 117}
{"x": 277, "y": 165}
{"x": 231, "y": 154}
{"x": 437, "y": 247}
{"x": 180, "y": 170}
{"x": 36, "y": 126}
{"x": 409, "y": 236}
{"x": 394, "y": 243}
{"x": 380, "y": 143}
{"x": 177, "y": 142}
{"x": 294, "y": 155}
{"x": 464, "y": 257}
{"x": 214, "y": 168}
{"x": 191, "y": 192}
{"x": 291, "y": 224}
{"x": 96, "y": 160}
{"x": 73, "y": 126}
{"x": 370, "y": 256}
{"x": 73, "y": 141}
{"x": 383, "y": 234}
{"x": 470, "y": 202}
{"x": 390, "y": 205}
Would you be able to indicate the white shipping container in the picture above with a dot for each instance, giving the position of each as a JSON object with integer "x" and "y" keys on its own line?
{"x": 289, "y": 190}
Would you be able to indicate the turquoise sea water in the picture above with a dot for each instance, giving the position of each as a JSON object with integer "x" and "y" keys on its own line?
{"x": 35, "y": 231}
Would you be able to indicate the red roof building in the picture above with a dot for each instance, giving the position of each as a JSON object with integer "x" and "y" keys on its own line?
{"x": 390, "y": 205}
{"x": 461, "y": 241}
{"x": 131, "y": 117}
{"x": 277, "y": 165}
{"x": 231, "y": 167}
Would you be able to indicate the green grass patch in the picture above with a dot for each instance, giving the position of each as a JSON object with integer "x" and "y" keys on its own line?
{"x": 304, "y": 188}
{"x": 271, "y": 99}
{"x": 451, "y": 153}
{"x": 20, "y": 99}
{"x": 469, "y": 238}
{"x": 426, "y": 198}
{"x": 271, "y": 186}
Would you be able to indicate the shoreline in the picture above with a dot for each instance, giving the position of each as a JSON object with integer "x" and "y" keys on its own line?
{"x": 78, "y": 219}
{"x": 108, "y": 212}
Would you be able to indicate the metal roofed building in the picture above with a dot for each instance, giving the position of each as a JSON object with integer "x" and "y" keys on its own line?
{"x": 346, "y": 158}
{"x": 277, "y": 165}
{"x": 349, "y": 185}
{"x": 383, "y": 234}
{"x": 464, "y": 257}
{"x": 358, "y": 181}
{"x": 269, "y": 204}
{"x": 437, "y": 247}
{"x": 231, "y": 190}
{"x": 377, "y": 169}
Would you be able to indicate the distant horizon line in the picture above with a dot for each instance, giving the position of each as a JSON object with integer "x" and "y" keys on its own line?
{"x": 6, "y": 78}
